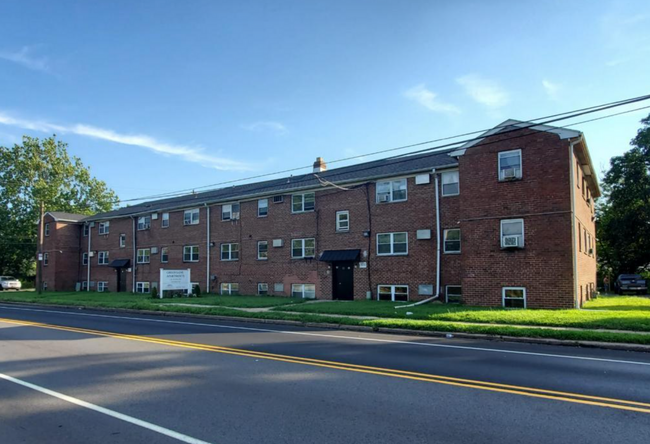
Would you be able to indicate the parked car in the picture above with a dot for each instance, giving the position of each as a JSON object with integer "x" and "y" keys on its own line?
{"x": 630, "y": 283}
{"x": 9, "y": 283}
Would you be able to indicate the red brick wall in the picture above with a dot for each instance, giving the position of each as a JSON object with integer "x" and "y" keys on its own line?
{"x": 62, "y": 246}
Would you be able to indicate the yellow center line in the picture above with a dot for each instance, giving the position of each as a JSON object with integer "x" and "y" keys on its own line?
{"x": 614, "y": 403}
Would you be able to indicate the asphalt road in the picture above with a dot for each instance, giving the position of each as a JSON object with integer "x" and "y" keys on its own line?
{"x": 73, "y": 376}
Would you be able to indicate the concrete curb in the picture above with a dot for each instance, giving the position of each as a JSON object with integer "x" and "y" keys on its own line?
{"x": 359, "y": 328}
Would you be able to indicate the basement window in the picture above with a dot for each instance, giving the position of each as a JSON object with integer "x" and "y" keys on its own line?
{"x": 262, "y": 288}
{"x": 102, "y": 287}
{"x": 142, "y": 287}
{"x": 514, "y": 297}
{"x": 305, "y": 291}
{"x": 453, "y": 294}
{"x": 230, "y": 288}
{"x": 393, "y": 293}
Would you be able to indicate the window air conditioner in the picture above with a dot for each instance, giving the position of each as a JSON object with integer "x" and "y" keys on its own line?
{"x": 277, "y": 242}
{"x": 154, "y": 216}
{"x": 235, "y": 215}
{"x": 510, "y": 173}
{"x": 511, "y": 241}
{"x": 154, "y": 250}
{"x": 384, "y": 198}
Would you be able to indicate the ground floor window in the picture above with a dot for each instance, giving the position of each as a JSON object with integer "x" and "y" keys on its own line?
{"x": 262, "y": 288}
{"x": 454, "y": 294}
{"x": 306, "y": 291}
{"x": 102, "y": 286}
{"x": 84, "y": 285}
{"x": 142, "y": 287}
{"x": 229, "y": 288}
{"x": 393, "y": 293}
{"x": 514, "y": 297}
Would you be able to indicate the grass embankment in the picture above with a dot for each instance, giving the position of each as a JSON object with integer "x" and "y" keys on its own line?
{"x": 608, "y": 312}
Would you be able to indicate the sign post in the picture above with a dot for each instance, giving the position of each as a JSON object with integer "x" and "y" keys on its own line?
{"x": 175, "y": 280}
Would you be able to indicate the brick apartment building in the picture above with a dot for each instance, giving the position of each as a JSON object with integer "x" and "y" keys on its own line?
{"x": 507, "y": 219}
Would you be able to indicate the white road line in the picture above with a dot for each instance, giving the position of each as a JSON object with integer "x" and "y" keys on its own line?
{"x": 105, "y": 411}
{"x": 341, "y": 337}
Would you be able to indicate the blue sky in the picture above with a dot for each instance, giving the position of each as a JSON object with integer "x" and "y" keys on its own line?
{"x": 157, "y": 96}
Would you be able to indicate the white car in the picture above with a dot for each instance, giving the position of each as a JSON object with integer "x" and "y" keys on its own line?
{"x": 9, "y": 283}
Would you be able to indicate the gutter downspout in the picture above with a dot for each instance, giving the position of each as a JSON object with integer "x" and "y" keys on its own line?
{"x": 207, "y": 245}
{"x": 133, "y": 275}
{"x": 90, "y": 234}
{"x": 574, "y": 253}
{"x": 437, "y": 295}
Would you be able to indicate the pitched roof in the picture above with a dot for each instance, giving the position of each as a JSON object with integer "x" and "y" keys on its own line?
{"x": 360, "y": 172}
{"x": 60, "y": 216}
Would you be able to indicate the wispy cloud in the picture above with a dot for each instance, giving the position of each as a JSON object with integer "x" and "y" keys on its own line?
{"x": 428, "y": 99}
{"x": 552, "y": 89}
{"x": 484, "y": 91}
{"x": 275, "y": 127}
{"x": 26, "y": 58}
{"x": 187, "y": 153}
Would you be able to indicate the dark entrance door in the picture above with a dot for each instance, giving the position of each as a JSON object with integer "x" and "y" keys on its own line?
{"x": 343, "y": 280}
{"x": 121, "y": 279}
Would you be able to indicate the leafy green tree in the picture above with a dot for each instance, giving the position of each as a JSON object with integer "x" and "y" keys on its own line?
{"x": 623, "y": 226}
{"x": 41, "y": 171}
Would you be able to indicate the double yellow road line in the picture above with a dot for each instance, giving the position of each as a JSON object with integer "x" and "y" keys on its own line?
{"x": 578, "y": 398}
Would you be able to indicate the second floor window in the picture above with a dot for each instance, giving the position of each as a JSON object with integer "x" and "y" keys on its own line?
{"x": 84, "y": 259}
{"x": 301, "y": 248}
{"x": 47, "y": 229}
{"x": 392, "y": 244}
{"x": 510, "y": 165}
{"x": 102, "y": 258}
{"x": 230, "y": 212}
{"x": 262, "y": 207}
{"x": 191, "y": 253}
{"x": 450, "y": 184}
{"x": 452, "y": 240}
{"x": 263, "y": 250}
{"x": 301, "y": 203}
{"x": 164, "y": 220}
{"x": 144, "y": 222}
{"x": 512, "y": 233}
{"x": 342, "y": 221}
{"x": 143, "y": 256}
{"x": 229, "y": 252}
{"x": 191, "y": 217}
{"x": 104, "y": 227}
{"x": 164, "y": 255}
{"x": 122, "y": 240}
{"x": 86, "y": 229}
{"x": 46, "y": 259}
{"x": 391, "y": 191}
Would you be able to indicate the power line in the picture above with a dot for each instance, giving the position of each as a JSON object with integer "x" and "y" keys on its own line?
{"x": 547, "y": 119}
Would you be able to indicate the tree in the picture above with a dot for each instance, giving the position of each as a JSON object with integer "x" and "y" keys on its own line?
{"x": 41, "y": 171}
{"x": 623, "y": 227}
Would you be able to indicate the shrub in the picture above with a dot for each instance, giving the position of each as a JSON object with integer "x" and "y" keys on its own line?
{"x": 154, "y": 293}
{"x": 197, "y": 291}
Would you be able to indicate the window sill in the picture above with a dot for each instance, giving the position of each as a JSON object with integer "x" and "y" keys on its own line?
{"x": 302, "y": 212}
{"x": 262, "y": 259}
{"x": 511, "y": 248}
{"x": 392, "y": 201}
{"x": 303, "y": 257}
{"x": 342, "y": 231}
{"x": 392, "y": 254}
{"x": 450, "y": 195}
{"x": 514, "y": 179}
{"x": 451, "y": 252}
{"x": 227, "y": 260}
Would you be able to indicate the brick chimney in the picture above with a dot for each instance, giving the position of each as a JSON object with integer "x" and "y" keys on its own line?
{"x": 319, "y": 165}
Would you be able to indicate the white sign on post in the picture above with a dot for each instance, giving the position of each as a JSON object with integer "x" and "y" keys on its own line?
{"x": 175, "y": 280}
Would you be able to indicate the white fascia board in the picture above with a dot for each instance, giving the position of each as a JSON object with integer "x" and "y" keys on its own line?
{"x": 563, "y": 133}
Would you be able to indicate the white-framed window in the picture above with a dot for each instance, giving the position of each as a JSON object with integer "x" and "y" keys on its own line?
{"x": 262, "y": 288}
{"x": 142, "y": 287}
{"x": 389, "y": 244}
{"x": 46, "y": 259}
{"x": 262, "y": 208}
{"x": 301, "y": 248}
{"x": 191, "y": 253}
{"x": 229, "y": 252}
{"x": 514, "y": 297}
{"x": 510, "y": 167}
{"x": 144, "y": 222}
{"x": 278, "y": 199}
{"x": 86, "y": 229}
{"x": 230, "y": 211}
{"x": 143, "y": 256}
{"x": 104, "y": 227}
{"x": 391, "y": 191}
{"x": 512, "y": 233}
{"x": 450, "y": 183}
{"x": 84, "y": 259}
{"x": 164, "y": 255}
{"x": 164, "y": 220}
{"x": 46, "y": 228}
{"x": 452, "y": 240}
{"x": 102, "y": 286}
{"x": 84, "y": 285}
{"x": 392, "y": 293}
{"x": 229, "y": 288}
{"x": 262, "y": 250}
{"x": 191, "y": 217}
{"x": 102, "y": 258}
{"x": 305, "y": 291}
{"x": 454, "y": 294}
{"x": 302, "y": 203}
{"x": 122, "y": 240}
{"x": 343, "y": 221}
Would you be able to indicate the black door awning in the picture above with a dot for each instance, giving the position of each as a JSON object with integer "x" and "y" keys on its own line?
{"x": 340, "y": 255}
{"x": 120, "y": 263}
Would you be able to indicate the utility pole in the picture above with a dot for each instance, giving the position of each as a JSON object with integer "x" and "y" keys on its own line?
{"x": 40, "y": 247}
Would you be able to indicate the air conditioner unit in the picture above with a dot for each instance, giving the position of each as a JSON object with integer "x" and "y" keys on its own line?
{"x": 235, "y": 216}
{"x": 277, "y": 242}
{"x": 154, "y": 250}
{"x": 384, "y": 198}
{"x": 154, "y": 216}
{"x": 509, "y": 173}
{"x": 510, "y": 241}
